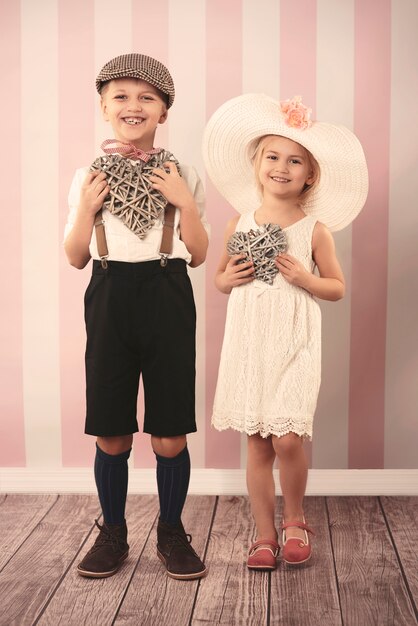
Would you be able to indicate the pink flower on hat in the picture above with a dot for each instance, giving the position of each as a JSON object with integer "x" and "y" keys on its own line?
{"x": 296, "y": 114}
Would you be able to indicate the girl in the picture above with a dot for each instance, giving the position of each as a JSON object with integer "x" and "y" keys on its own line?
{"x": 276, "y": 167}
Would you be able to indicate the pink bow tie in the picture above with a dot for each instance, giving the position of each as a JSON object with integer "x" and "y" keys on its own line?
{"x": 127, "y": 150}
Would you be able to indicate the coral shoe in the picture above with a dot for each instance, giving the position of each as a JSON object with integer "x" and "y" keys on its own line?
{"x": 295, "y": 549}
{"x": 263, "y": 555}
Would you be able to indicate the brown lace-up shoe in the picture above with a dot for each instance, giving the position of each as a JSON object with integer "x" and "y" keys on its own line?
{"x": 175, "y": 551}
{"x": 107, "y": 553}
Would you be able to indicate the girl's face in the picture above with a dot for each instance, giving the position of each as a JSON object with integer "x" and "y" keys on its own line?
{"x": 134, "y": 108}
{"x": 284, "y": 167}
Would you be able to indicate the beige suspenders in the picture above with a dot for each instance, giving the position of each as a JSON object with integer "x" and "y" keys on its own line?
{"x": 101, "y": 239}
{"x": 166, "y": 246}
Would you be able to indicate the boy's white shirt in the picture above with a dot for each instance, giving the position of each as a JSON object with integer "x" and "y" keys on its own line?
{"x": 123, "y": 244}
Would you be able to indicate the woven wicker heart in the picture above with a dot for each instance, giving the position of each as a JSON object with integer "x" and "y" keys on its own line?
{"x": 260, "y": 246}
{"x": 131, "y": 196}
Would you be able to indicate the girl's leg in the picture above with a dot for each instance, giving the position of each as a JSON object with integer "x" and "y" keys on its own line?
{"x": 293, "y": 476}
{"x": 260, "y": 484}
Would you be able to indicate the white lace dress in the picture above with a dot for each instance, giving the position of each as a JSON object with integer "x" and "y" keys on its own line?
{"x": 270, "y": 369}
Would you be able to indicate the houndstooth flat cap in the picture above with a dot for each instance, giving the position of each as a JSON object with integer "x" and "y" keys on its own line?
{"x": 138, "y": 66}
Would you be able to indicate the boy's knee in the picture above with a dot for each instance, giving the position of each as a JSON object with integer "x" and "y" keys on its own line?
{"x": 168, "y": 446}
{"x": 115, "y": 445}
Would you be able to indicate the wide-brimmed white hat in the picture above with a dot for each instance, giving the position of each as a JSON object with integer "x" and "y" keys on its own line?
{"x": 233, "y": 132}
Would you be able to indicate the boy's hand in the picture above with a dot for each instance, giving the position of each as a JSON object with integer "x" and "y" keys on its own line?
{"x": 292, "y": 270}
{"x": 173, "y": 187}
{"x": 93, "y": 193}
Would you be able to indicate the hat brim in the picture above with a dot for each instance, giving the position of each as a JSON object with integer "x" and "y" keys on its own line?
{"x": 235, "y": 128}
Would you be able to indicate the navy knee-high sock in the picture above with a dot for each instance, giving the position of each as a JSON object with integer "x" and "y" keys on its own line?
{"x": 173, "y": 475}
{"x": 111, "y": 475}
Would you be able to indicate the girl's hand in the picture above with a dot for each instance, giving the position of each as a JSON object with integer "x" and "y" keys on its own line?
{"x": 173, "y": 187}
{"x": 93, "y": 193}
{"x": 292, "y": 270}
{"x": 236, "y": 273}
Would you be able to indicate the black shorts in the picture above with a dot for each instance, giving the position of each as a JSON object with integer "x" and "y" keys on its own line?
{"x": 140, "y": 320}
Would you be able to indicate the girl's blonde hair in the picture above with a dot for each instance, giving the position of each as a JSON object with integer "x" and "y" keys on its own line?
{"x": 256, "y": 161}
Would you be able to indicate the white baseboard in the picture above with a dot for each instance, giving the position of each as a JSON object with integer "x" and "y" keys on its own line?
{"x": 321, "y": 482}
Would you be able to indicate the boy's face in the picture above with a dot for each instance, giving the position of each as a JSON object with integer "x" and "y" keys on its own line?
{"x": 134, "y": 108}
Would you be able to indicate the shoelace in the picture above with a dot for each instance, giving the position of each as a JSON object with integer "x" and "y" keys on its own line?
{"x": 181, "y": 541}
{"x": 106, "y": 537}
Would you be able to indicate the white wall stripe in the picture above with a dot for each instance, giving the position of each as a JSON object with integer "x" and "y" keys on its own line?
{"x": 260, "y": 43}
{"x": 113, "y": 36}
{"x": 402, "y": 331}
{"x": 335, "y": 62}
{"x": 187, "y": 121}
{"x": 261, "y": 47}
{"x": 335, "y": 103}
{"x": 40, "y": 241}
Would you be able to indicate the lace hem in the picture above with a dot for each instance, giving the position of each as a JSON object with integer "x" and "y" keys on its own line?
{"x": 303, "y": 429}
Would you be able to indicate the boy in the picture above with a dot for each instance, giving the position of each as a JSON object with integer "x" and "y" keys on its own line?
{"x": 140, "y": 316}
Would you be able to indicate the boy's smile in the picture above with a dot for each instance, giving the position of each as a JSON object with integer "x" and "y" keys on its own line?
{"x": 134, "y": 108}
{"x": 133, "y": 120}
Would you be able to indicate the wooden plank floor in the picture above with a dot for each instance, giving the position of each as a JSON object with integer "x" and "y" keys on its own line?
{"x": 364, "y": 570}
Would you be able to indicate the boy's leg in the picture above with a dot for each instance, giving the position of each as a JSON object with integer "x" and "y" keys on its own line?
{"x": 111, "y": 474}
{"x": 173, "y": 473}
{"x": 113, "y": 369}
{"x": 168, "y": 371}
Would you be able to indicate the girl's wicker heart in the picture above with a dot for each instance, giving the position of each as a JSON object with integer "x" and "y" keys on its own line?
{"x": 260, "y": 246}
{"x": 131, "y": 196}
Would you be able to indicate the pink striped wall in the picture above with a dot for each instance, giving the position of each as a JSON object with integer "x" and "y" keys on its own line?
{"x": 294, "y": 46}
{"x": 12, "y": 439}
{"x": 223, "y": 81}
{"x": 298, "y": 62}
{"x": 298, "y": 49}
{"x": 150, "y": 35}
{"x": 76, "y": 111}
{"x": 370, "y": 238}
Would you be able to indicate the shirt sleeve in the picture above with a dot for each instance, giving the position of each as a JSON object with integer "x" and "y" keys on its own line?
{"x": 196, "y": 187}
{"x": 74, "y": 198}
